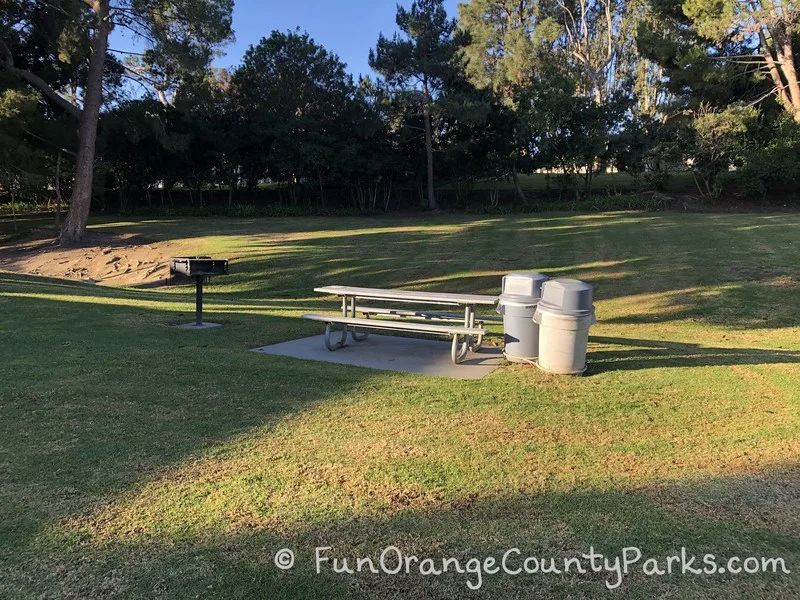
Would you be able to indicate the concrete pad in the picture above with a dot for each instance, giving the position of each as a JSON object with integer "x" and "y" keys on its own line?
{"x": 410, "y": 355}
{"x": 204, "y": 325}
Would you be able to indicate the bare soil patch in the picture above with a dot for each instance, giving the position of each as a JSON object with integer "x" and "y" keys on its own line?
{"x": 101, "y": 258}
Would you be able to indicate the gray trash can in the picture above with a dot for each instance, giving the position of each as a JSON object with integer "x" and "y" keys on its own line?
{"x": 517, "y": 303}
{"x": 564, "y": 315}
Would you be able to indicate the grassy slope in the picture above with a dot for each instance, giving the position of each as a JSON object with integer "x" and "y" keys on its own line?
{"x": 145, "y": 461}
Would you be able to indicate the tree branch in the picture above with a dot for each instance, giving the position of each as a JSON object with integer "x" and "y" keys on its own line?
{"x": 7, "y": 62}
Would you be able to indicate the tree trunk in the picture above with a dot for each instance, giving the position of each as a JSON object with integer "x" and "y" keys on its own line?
{"x": 78, "y": 215}
{"x": 162, "y": 97}
{"x": 782, "y": 46}
{"x": 13, "y": 210}
{"x": 58, "y": 190}
{"x": 772, "y": 66}
{"x": 426, "y": 113}
{"x": 598, "y": 92}
{"x": 789, "y": 71}
{"x": 387, "y": 194}
{"x": 587, "y": 189}
{"x": 517, "y": 187}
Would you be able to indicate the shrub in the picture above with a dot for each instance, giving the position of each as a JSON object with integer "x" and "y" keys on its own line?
{"x": 773, "y": 163}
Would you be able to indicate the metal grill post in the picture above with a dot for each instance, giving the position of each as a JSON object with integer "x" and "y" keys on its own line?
{"x": 198, "y": 268}
{"x": 198, "y": 306}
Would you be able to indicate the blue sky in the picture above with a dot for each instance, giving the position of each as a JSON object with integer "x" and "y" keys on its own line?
{"x": 348, "y": 28}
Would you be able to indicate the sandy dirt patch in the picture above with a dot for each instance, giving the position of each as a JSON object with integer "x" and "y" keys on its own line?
{"x": 101, "y": 258}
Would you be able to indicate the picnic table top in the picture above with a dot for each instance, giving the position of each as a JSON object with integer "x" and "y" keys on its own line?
{"x": 407, "y": 295}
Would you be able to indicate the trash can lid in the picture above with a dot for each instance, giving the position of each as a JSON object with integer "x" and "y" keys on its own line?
{"x": 522, "y": 288}
{"x": 568, "y": 296}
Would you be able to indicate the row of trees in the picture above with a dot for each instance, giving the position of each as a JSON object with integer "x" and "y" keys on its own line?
{"x": 510, "y": 87}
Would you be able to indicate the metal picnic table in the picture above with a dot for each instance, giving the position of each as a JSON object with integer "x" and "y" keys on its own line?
{"x": 350, "y": 296}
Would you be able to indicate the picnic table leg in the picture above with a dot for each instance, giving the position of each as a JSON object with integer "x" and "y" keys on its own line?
{"x": 331, "y": 345}
{"x": 474, "y": 343}
{"x": 478, "y": 340}
{"x": 357, "y": 336}
{"x": 467, "y": 313}
{"x": 459, "y": 349}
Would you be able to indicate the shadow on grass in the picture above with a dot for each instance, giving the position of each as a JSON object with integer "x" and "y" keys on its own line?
{"x": 727, "y": 516}
{"x": 177, "y": 299}
{"x": 652, "y": 354}
{"x": 15, "y": 228}
{"x": 97, "y": 397}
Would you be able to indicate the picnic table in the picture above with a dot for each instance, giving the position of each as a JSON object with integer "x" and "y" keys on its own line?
{"x": 465, "y": 327}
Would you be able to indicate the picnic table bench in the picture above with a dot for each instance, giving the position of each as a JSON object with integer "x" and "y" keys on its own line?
{"x": 466, "y": 329}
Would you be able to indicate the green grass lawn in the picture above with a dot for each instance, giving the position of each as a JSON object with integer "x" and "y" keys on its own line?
{"x": 142, "y": 461}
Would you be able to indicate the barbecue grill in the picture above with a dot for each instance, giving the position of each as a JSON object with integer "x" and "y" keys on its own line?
{"x": 199, "y": 268}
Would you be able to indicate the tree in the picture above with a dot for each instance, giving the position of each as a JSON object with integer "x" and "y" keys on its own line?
{"x": 221, "y": 122}
{"x": 719, "y": 140}
{"x": 75, "y": 32}
{"x": 419, "y": 60}
{"x": 725, "y": 52}
{"x": 566, "y": 129}
{"x": 21, "y": 161}
{"x": 511, "y": 42}
{"x": 773, "y": 24}
{"x": 500, "y": 51}
{"x": 771, "y": 159}
{"x": 294, "y": 96}
{"x": 594, "y": 37}
{"x": 478, "y": 138}
{"x": 141, "y": 143}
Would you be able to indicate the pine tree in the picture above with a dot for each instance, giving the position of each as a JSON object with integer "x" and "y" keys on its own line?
{"x": 419, "y": 60}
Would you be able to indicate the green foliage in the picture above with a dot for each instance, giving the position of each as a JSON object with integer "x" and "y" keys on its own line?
{"x": 22, "y": 162}
{"x": 15, "y": 106}
{"x": 712, "y": 18}
{"x": 649, "y": 150}
{"x": 305, "y": 119}
{"x": 142, "y": 142}
{"x": 631, "y": 147}
{"x": 567, "y": 130}
{"x": 500, "y": 52}
{"x": 416, "y": 66}
{"x": 424, "y": 53}
{"x": 697, "y": 67}
{"x": 719, "y": 140}
{"x": 771, "y": 161}
{"x": 182, "y": 36}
